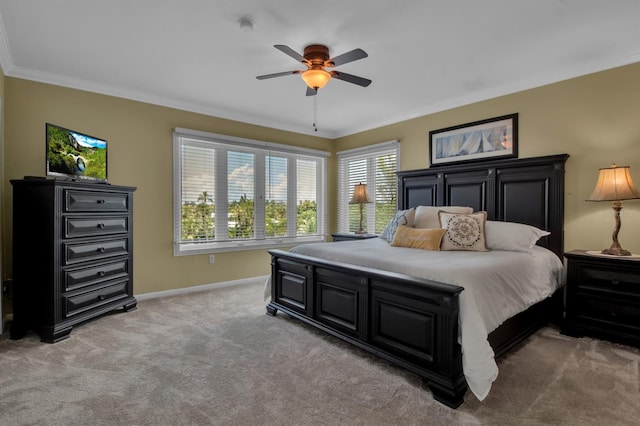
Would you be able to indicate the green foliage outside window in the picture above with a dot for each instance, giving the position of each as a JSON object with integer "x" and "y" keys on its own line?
{"x": 276, "y": 223}
{"x": 386, "y": 191}
{"x": 241, "y": 218}
{"x": 307, "y": 217}
{"x": 198, "y": 218}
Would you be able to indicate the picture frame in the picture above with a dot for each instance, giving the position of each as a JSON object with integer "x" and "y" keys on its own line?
{"x": 480, "y": 140}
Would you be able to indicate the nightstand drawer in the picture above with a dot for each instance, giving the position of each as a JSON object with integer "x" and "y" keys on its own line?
{"x": 602, "y": 280}
{"x": 602, "y": 297}
{"x": 612, "y": 313}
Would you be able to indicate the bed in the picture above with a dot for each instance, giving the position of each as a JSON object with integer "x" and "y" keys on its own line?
{"x": 412, "y": 319}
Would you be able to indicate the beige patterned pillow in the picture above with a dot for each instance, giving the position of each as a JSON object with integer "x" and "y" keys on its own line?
{"x": 464, "y": 231}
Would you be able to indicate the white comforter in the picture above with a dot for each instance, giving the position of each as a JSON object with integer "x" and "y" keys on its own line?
{"x": 498, "y": 285}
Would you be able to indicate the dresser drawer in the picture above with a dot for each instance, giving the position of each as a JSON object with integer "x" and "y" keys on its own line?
{"x": 94, "y": 250}
{"x": 89, "y": 201}
{"x": 89, "y": 226}
{"x": 82, "y": 277}
{"x": 602, "y": 280}
{"x": 614, "y": 314}
{"x": 80, "y": 302}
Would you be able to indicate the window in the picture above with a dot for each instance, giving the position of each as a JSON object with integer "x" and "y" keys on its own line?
{"x": 375, "y": 166}
{"x": 240, "y": 194}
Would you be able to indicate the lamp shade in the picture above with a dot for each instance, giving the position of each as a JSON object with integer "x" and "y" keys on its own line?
{"x": 316, "y": 78}
{"x": 614, "y": 184}
{"x": 360, "y": 194}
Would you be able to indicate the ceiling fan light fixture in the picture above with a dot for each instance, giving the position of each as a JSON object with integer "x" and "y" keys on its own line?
{"x": 316, "y": 78}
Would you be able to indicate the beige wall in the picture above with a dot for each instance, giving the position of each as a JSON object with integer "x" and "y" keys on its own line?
{"x": 592, "y": 118}
{"x": 595, "y": 119}
{"x": 141, "y": 155}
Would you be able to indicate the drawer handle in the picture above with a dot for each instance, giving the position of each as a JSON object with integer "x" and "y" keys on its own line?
{"x": 101, "y": 225}
{"x": 613, "y": 313}
{"x": 101, "y": 201}
{"x": 101, "y": 297}
{"x": 101, "y": 273}
{"x": 615, "y": 281}
{"x": 101, "y": 250}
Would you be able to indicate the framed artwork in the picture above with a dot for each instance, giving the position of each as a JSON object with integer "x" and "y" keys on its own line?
{"x": 485, "y": 139}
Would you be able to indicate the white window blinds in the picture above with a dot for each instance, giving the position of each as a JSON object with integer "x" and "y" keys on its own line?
{"x": 375, "y": 166}
{"x": 234, "y": 194}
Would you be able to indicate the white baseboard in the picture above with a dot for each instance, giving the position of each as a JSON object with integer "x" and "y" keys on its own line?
{"x": 203, "y": 287}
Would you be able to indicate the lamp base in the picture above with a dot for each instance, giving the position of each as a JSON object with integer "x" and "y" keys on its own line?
{"x": 616, "y": 251}
{"x": 360, "y": 232}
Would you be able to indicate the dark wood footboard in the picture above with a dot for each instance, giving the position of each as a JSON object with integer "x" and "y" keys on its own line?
{"x": 408, "y": 321}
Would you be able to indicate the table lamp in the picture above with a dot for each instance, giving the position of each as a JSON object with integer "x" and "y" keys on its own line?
{"x": 615, "y": 184}
{"x": 360, "y": 196}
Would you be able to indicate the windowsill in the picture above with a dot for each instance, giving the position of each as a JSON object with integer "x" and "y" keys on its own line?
{"x": 206, "y": 248}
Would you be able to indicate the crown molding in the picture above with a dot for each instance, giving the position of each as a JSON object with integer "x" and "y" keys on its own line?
{"x": 613, "y": 61}
{"x": 6, "y": 60}
{"x": 150, "y": 98}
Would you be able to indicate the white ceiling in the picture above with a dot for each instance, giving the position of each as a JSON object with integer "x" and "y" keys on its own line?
{"x": 424, "y": 55}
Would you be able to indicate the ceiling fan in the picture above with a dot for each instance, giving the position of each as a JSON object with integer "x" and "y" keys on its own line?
{"x": 316, "y": 58}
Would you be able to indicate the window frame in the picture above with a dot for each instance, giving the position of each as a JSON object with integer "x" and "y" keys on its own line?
{"x": 368, "y": 153}
{"x": 261, "y": 150}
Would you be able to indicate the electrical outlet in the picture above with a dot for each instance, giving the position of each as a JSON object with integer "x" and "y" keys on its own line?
{"x": 212, "y": 258}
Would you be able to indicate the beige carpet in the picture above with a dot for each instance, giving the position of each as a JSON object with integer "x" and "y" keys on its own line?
{"x": 214, "y": 357}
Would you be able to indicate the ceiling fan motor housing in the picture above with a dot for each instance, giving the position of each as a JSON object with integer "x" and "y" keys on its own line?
{"x": 317, "y": 54}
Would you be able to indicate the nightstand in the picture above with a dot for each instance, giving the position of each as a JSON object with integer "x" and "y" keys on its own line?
{"x": 602, "y": 297}
{"x": 349, "y": 236}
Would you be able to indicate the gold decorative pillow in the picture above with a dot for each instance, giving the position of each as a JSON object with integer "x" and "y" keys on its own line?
{"x": 425, "y": 239}
{"x": 464, "y": 231}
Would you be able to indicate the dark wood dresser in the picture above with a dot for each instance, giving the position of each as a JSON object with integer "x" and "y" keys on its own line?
{"x": 72, "y": 254}
{"x": 602, "y": 297}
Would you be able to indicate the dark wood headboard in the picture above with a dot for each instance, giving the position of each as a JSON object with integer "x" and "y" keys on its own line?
{"x": 527, "y": 190}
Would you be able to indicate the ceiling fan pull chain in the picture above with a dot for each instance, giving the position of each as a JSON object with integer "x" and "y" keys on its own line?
{"x": 315, "y": 111}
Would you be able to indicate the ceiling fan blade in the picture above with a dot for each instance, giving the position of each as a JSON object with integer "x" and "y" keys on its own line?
{"x": 364, "y": 82}
{"x": 278, "y": 74}
{"x": 289, "y": 51}
{"x": 351, "y": 56}
{"x": 311, "y": 92}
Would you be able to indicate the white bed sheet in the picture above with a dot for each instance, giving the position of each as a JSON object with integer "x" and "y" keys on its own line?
{"x": 498, "y": 285}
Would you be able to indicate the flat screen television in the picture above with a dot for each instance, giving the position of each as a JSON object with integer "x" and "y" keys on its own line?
{"x": 74, "y": 155}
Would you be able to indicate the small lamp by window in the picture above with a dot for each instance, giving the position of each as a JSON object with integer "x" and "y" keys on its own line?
{"x": 615, "y": 184}
{"x": 360, "y": 196}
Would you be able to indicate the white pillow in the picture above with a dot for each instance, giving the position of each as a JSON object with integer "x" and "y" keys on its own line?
{"x": 511, "y": 236}
{"x": 464, "y": 231}
{"x": 402, "y": 218}
{"x": 427, "y": 216}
